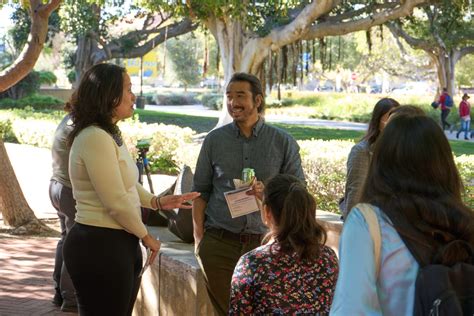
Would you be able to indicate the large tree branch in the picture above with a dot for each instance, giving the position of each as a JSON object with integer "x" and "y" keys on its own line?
{"x": 466, "y": 51}
{"x": 116, "y": 49}
{"x": 417, "y": 43}
{"x": 323, "y": 29}
{"x": 369, "y": 9}
{"x": 39, "y": 14}
{"x": 293, "y": 31}
{"x": 284, "y": 35}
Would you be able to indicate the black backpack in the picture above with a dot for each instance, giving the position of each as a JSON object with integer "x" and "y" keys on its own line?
{"x": 442, "y": 290}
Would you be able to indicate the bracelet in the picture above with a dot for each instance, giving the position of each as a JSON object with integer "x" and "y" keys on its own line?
{"x": 158, "y": 203}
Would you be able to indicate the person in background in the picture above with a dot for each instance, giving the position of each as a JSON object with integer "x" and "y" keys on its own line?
{"x": 413, "y": 182}
{"x": 101, "y": 251}
{"x": 445, "y": 101}
{"x": 294, "y": 272}
{"x": 248, "y": 142}
{"x": 360, "y": 155}
{"x": 60, "y": 193}
{"x": 465, "y": 115}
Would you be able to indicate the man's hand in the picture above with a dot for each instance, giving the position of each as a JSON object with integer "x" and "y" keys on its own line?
{"x": 199, "y": 206}
{"x": 257, "y": 189}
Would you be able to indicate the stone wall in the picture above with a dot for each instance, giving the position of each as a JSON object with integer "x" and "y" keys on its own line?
{"x": 174, "y": 284}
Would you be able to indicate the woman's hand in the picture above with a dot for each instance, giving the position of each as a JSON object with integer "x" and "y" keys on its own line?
{"x": 169, "y": 202}
{"x": 153, "y": 244}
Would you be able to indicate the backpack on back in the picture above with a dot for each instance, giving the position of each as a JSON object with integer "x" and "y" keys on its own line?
{"x": 448, "y": 101}
{"x": 445, "y": 290}
{"x": 440, "y": 290}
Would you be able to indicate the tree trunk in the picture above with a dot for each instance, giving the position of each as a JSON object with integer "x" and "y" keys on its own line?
{"x": 13, "y": 205}
{"x": 83, "y": 60}
{"x": 34, "y": 45}
{"x": 445, "y": 68}
{"x": 239, "y": 53}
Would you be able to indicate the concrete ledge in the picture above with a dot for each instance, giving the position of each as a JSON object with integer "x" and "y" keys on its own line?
{"x": 174, "y": 285}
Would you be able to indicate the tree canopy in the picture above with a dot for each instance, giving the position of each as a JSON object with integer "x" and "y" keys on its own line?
{"x": 445, "y": 31}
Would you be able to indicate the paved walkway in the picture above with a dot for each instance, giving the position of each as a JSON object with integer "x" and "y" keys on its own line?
{"x": 200, "y": 110}
{"x": 26, "y": 263}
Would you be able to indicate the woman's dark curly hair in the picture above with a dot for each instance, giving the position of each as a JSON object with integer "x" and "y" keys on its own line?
{"x": 94, "y": 102}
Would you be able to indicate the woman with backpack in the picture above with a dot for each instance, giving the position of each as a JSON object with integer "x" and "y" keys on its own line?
{"x": 446, "y": 102}
{"x": 414, "y": 190}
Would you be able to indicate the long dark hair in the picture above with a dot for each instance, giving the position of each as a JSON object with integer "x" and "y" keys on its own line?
{"x": 294, "y": 212}
{"x": 94, "y": 101}
{"x": 382, "y": 107}
{"x": 414, "y": 180}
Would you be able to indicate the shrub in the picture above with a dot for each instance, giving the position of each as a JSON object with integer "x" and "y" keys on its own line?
{"x": 340, "y": 106}
{"x": 176, "y": 99}
{"x": 47, "y": 77}
{"x": 324, "y": 164}
{"x": 35, "y": 132}
{"x": 150, "y": 99}
{"x": 26, "y": 86}
{"x": 35, "y": 101}
{"x": 275, "y": 103}
{"x": 212, "y": 101}
{"x": 6, "y": 131}
{"x": 166, "y": 141}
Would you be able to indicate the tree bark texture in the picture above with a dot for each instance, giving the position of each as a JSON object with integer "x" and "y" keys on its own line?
{"x": 13, "y": 205}
{"x": 243, "y": 51}
{"x": 444, "y": 59}
{"x": 90, "y": 53}
{"x": 39, "y": 14}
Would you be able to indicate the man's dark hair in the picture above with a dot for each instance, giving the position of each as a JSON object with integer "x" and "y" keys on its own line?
{"x": 382, "y": 107}
{"x": 255, "y": 86}
{"x": 414, "y": 180}
{"x": 93, "y": 103}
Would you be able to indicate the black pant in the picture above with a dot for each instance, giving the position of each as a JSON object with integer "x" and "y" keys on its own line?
{"x": 444, "y": 116}
{"x": 104, "y": 265}
{"x": 63, "y": 201}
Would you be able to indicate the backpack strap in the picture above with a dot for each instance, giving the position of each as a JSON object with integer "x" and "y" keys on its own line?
{"x": 367, "y": 210}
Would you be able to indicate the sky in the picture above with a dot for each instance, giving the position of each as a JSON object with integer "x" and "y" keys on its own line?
{"x": 5, "y": 13}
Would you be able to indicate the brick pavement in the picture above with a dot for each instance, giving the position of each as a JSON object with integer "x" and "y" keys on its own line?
{"x": 26, "y": 263}
{"x": 26, "y": 267}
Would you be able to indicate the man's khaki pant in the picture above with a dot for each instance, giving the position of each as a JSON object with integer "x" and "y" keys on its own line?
{"x": 218, "y": 257}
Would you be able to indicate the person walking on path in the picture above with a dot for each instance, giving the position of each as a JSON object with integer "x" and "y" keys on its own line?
{"x": 465, "y": 115}
{"x": 446, "y": 102}
{"x": 247, "y": 142}
{"x": 101, "y": 251}
{"x": 294, "y": 272}
{"x": 60, "y": 193}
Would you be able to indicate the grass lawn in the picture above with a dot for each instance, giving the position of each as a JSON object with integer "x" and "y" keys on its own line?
{"x": 300, "y": 132}
{"x": 198, "y": 123}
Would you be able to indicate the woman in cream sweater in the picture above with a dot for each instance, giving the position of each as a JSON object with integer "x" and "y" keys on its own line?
{"x": 101, "y": 252}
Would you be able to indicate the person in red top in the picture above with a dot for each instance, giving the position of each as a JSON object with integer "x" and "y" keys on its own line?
{"x": 465, "y": 115}
{"x": 445, "y": 108}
